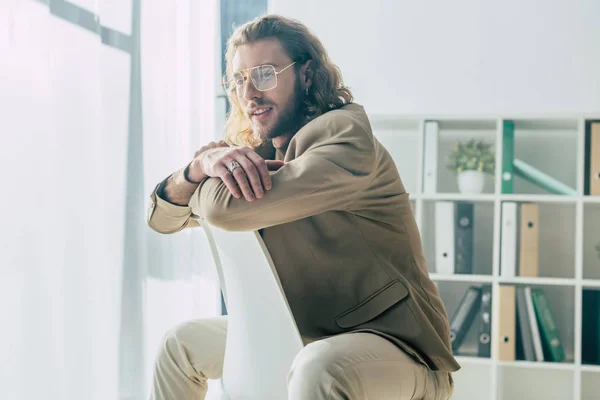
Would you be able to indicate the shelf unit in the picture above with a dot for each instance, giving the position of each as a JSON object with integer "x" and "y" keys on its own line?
{"x": 579, "y": 214}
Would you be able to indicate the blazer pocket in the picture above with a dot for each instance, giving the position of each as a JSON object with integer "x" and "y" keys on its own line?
{"x": 374, "y": 305}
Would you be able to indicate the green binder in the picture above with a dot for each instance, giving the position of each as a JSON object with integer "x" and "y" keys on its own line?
{"x": 590, "y": 327}
{"x": 508, "y": 155}
{"x": 548, "y": 331}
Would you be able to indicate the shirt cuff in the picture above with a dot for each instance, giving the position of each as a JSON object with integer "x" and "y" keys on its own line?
{"x": 165, "y": 217}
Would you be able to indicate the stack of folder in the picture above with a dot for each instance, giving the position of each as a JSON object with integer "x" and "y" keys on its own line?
{"x": 538, "y": 334}
{"x": 454, "y": 237}
{"x": 474, "y": 307}
{"x": 519, "y": 238}
{"x": 526, "y": 325}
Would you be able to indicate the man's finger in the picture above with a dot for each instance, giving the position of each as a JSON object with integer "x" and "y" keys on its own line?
{"x": 262, "y": 169}
{"x": 242, "y": 181}
{"x": 229, "y": 181}
{"x": 274, "y": 165}
{"x": 252, "y": 176}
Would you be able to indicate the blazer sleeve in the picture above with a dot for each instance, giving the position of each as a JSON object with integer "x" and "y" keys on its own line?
{"x": 333, "y": 169}
{"x": 165, "y": 217}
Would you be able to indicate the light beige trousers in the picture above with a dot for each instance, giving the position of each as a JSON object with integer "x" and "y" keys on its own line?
{"x": 352, "y": 366}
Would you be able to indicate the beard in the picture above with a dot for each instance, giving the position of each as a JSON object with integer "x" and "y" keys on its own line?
{"x": 290, "y": 119}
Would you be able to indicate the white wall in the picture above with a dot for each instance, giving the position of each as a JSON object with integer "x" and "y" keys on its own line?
{"x": 461, "y": 56}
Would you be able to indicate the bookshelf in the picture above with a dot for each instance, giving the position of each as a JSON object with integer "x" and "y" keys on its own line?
{"x": 569, "y": 229}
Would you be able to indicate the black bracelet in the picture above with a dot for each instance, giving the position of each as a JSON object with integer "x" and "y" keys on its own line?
{"x": 186, "y": 177}
{"x": 160, "y": 189}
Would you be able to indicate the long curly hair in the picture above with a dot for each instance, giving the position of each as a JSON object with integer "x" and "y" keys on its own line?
{"x": 326, "y": 93}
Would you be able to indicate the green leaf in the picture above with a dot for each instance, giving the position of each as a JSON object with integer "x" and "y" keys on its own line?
{"x": 472, "y": 154}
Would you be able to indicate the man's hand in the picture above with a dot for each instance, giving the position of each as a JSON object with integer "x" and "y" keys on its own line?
{"x": 251, "y": 180}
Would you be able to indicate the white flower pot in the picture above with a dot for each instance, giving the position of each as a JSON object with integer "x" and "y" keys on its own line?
{"x": 471, "y": 182}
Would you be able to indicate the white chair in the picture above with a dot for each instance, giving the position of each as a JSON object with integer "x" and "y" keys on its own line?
{"x": 262, "y": 336}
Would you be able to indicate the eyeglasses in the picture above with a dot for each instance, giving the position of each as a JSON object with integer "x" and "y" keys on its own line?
{"x": 264, "y": 77}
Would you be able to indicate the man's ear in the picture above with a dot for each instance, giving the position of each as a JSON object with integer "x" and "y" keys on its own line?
{"x": 306, "y": 73}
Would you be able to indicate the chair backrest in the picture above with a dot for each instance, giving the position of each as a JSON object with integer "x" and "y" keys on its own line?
{"x": 262, "y": 336}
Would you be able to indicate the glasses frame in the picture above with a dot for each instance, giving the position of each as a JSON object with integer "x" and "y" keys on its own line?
{"x": 248, "y": 72}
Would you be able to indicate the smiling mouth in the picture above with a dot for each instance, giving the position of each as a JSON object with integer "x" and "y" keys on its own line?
{"x": 261, "y": 113}
{"x": 262, "y": 110}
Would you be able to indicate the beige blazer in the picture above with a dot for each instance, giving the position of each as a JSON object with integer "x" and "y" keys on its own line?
{"x": 341, "y": 232}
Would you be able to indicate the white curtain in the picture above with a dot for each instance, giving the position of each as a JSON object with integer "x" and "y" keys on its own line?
{"x": 179, "y": 78}
{"x": 87, "y": 290}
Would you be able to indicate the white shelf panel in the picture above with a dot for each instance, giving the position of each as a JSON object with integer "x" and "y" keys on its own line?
{"x": 538, "y": 365}
{"x": 539, "y": 198}
{"x": 538, "y": 281}
{"x": 471, "y": 116}
{"x": 591, "y": 283}
{"x": 461, "y": 278}
{"x": 458, "y": 197}
{"x": 590, "y": 368}
{"x": 515, "y": 280}
{"x": 473, "y": 360}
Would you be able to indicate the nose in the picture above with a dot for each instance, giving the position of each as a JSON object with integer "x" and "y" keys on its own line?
{"x": 250, "y": 91}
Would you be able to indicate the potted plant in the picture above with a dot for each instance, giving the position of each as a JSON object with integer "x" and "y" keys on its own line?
{"x": 471, "y": 160}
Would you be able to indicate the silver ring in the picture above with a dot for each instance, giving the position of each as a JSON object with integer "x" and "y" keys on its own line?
{"x": 231, "y": 165}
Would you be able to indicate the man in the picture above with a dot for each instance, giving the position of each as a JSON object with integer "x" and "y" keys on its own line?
{"x": 302, "y": 167}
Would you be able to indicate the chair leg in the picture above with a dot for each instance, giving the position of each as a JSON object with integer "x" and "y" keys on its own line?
{"x": 222, "y": 391}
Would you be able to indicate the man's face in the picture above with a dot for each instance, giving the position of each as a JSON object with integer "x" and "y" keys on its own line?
{"x": 283, "y": 104}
